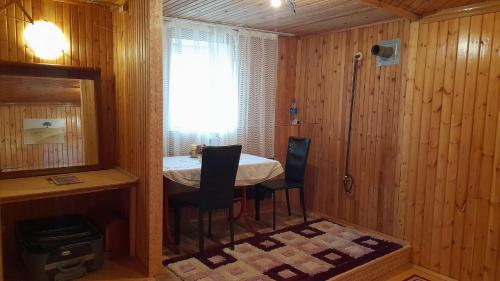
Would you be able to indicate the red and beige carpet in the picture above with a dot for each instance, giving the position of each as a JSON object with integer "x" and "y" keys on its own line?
{"x": 317, "y": 250}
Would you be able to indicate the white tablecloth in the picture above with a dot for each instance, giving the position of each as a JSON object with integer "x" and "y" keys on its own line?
{"x": 252, "y": 170}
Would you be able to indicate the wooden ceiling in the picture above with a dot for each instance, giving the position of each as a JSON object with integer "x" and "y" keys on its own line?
{"x": 312, "y": 16}
{"x": 424, "y": 7}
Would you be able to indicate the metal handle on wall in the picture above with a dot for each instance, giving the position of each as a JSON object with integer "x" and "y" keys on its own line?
{"x": 348, "y": 181}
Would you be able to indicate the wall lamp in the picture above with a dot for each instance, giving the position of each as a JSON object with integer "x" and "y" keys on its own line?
{"x": 43, "y": 37}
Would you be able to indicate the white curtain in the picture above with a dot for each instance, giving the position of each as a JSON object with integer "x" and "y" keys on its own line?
{"x": 220, "y": 86}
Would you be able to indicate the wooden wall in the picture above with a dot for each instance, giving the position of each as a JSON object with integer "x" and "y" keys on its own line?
{"x": 322, "y": 89}
{"x": 449, "y": 200}
{"x": 138, "y": 65}
{"x": 126, "y": 46}
{"x": 15, "y": 155}
{"x": 285, "y": 93}
{"x": 426, "y": 136}
{"x": 89, "y": 31}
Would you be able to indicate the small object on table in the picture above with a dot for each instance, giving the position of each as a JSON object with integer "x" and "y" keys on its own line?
{"x": 199, "y": 148}
{"x": 194, "y": 151}
{"x": 64, "y": 179}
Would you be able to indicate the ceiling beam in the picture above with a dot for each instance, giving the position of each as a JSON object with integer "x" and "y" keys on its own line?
{"x": 391, "y": 9}
{"x": 464, "y": 11}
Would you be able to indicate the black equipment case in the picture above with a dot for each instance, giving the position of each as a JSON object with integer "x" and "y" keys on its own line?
{"x": 60, "y": 249}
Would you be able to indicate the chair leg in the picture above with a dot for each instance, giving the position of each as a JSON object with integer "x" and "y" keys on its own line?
{"x": 210, "y": 224}
{"x": 288, "y": 202}
{"x": 303, "y": 203}
{"x": 274, "y": 210}
{"x": 231, "y": 226}
{"x": 257, "y": 203}
{"x": 177, "y": 225}
{"x": 201, "y": 240}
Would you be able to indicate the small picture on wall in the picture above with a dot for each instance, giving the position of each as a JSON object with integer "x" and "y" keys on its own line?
{"x": 44, "y": 131}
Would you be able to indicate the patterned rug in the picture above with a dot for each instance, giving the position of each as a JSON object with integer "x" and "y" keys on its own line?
{"x": 317, "y": 250}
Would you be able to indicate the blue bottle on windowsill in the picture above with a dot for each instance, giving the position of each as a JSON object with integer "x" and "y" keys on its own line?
{"x": 293, "y": 113}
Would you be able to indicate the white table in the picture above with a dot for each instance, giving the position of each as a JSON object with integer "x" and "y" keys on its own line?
{"x": 251, "y": 170}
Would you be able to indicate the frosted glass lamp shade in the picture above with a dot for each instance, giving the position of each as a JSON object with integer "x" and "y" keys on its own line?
{"x": 45, "y": 39}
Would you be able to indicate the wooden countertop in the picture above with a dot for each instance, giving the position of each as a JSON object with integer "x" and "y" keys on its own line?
{"x": 22, "y": 189}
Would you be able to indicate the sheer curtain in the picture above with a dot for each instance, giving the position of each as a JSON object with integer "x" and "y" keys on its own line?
{"x": 219, "y": 87}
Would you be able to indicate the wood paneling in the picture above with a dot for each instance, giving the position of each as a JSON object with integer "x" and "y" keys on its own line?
{"x": 88, "y": 29}
{"x": 36, "y": 90}
{"x": 89, "y": 124}
{"x": 451, "y": 215}
{"x": 426, "y": 142}
{"x": 463, "y": 11}
{"x": 16, "y": 155}
{"x": 422, "y": 7}
{"x": 312, "y": 15}
{"x": 324, "y": 66}
{"x": 138, "y": 65}
{"x": 91, "y": 31}
{"x": 285, "y": 93}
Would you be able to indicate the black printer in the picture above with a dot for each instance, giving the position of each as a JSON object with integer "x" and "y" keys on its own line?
{"x": 61, "y": 248}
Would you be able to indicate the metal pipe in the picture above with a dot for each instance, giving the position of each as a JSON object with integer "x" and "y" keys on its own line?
{"x": 382, "y": 51}
{"x": 348, "y": 180}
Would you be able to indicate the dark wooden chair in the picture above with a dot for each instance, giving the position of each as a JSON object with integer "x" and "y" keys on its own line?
{"x": 295, "y": 168}
{"x": 218, "y": 175}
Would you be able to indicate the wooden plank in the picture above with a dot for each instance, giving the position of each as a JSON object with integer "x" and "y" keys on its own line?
{"x": 393, "y": 10}
{"x": 465, "y": 167}
{"x": 477, "y": 8}
{"x": 423, "y": 141}
{"x": 407, "y": 114}
{"x": 137, "y": 39}
{"x": 493, "y": 238}
{"x": 433, "y": 196}
{"x": 486, "y": 112}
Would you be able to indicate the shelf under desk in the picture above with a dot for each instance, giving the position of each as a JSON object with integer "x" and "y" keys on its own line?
{"x": 24, "y": 189}
{"x": 33, "y": 188}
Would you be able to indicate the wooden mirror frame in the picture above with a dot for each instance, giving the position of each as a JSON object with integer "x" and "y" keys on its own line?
{"x": 60, "y": 71}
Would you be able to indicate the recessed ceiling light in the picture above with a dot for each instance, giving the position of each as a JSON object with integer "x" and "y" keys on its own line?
{"x": 276, "y": 3}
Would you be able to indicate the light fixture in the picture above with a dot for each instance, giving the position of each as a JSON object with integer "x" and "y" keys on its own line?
{"x": 276, "y": 3}
{"x": 45, "y": 39}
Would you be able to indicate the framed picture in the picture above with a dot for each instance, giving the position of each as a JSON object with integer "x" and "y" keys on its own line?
{"x": 44, "y": 131}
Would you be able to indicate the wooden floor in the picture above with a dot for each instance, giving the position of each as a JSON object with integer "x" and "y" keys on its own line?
{"x": 189, "y": 244}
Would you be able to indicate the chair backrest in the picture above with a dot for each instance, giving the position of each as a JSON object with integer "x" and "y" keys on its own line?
{"x": 296, "y": 159}
{"x": 219, "y": 166}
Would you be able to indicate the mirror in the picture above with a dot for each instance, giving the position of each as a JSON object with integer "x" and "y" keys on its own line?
{"x": 47, "y": 122}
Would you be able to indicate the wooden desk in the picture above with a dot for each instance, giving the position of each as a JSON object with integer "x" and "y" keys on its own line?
{"x": 24, "y": 189}
{"x": 32, "y": 188}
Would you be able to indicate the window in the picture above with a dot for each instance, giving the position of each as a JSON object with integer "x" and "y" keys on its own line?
{"x": 203, "y": 96}
{"x": 219, "y": 87}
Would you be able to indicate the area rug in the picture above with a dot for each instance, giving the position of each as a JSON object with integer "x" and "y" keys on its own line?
{"x": 317, "y": 250}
